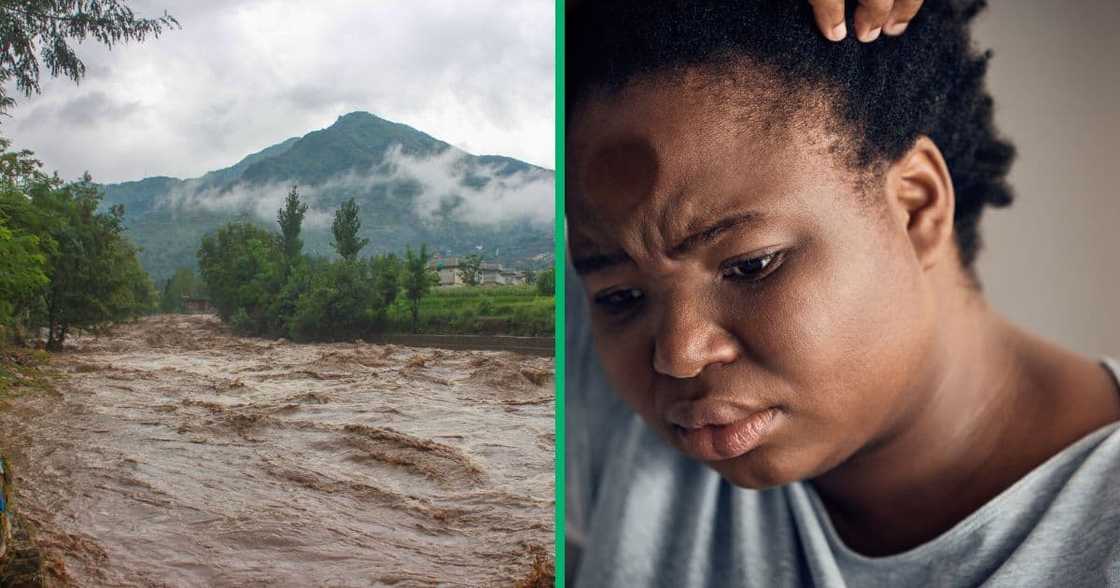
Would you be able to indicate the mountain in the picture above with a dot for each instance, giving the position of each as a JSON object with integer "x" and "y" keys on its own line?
{"x": 411, "y": 188}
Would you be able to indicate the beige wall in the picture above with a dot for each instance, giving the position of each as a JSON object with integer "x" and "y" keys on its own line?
{"x": 1052, "y": 260}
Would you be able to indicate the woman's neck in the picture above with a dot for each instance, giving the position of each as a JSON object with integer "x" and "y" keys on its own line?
{"x": 996, "y": 404}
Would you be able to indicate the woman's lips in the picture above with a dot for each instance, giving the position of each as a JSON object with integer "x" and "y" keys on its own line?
{"x": 715, "y": 442}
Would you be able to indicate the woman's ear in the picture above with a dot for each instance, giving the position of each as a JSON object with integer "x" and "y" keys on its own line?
{"x": 920, "y": 192}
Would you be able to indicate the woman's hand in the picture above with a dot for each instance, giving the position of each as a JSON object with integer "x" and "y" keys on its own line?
{"x": 872, "y": 18}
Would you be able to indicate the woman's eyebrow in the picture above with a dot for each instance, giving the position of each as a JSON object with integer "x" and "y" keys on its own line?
{"x": 593, "y": 263}
{"x": 707, "y": 233}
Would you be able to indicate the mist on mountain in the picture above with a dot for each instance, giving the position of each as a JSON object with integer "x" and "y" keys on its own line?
{"x": 412, "y": 188}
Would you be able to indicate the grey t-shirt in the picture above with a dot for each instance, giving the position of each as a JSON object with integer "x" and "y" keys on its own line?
{"x": 639, "y": 513}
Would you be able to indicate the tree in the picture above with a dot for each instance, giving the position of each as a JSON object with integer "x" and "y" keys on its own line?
{"x": 546, "y": 282}
{"x": 183, "y": 283}
{"x": 63, "y": 264}
{"x": 290, "y": 219}
{"x": 345, "y": 229}
{"x": 241, "y": 264}
{"x": 21, "y": 271}
{"x": 95, "y": 276}
{"x": 48, "y": 27}
{"x": 386, "y": 274}
{"x": 470, "y": 270}
{"x": 417, "y": 279}
{"x": 340, "y": 304}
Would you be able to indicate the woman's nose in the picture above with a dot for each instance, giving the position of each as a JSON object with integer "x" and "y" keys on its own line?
{"x": 689, "y": 339}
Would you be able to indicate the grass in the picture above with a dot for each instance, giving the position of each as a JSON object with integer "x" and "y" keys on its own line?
{"x": 22, "y": 370}
{"x": 483, "y": 310}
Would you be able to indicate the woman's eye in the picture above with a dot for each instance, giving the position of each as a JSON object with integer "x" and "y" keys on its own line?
{"x": 619, "y": 301}
{"x": 754, "y": 268}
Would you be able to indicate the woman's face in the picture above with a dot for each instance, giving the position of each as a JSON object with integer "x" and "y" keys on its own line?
{"x": 748, "y": 301}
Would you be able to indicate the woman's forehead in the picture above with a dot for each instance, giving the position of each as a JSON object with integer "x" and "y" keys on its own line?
{"x": 680, "y": 157}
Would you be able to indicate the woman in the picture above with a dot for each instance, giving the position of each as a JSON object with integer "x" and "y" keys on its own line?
{"x": 775, "y": 234}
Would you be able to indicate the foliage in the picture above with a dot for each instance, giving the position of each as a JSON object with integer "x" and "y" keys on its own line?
{"x": 242, "y": 266}
{"x": 485, "y": 310}
{"x": 470, "y": 270}
{"x": 22, "y": 370}
{"x": 345, "y": 230}
{"x": 418, "y": 279}
{"x": 63, "y": 264}
{"x": 341, "y": 303}
{"x": 169, "y": 230}
{"x": 48, "y": 27}
{"x": 344, "y": 299}
{"x": 387, "y": 271}
{"x": 94, "y": 275}
{"x": 290, "y": 219}
{"x": 22, "y": 263}
{"x": 183, "y": 284}
{"x": 546, "y": 282}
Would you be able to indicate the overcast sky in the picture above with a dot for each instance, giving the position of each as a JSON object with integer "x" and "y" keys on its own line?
{"x": 244, "y": 74}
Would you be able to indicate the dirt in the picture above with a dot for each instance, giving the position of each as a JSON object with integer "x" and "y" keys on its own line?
{"x": 172, "y": 453}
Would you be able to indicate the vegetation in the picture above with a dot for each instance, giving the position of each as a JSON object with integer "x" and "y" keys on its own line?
{"x": 242, "y": 267}
{"x": 470, "y": 270}
{"x": 485, "y": 310}
{"x": 66, "y": 266}
{"x": 184, "y": 284}
{"x": 290, "y": 219}
{"x": 261, "y": 284}
{"x": 23, "y": 370}
{"x": 169, "y": 229}
{"x": 546, "y": 282}
{"x": 418, "y": 280}
{"x": 345, "y": 230}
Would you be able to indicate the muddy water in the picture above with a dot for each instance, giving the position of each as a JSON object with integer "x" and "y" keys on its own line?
{"x": 176, "y": 454}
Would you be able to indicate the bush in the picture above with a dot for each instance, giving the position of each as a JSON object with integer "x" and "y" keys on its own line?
{"x": 341, "y": 303}
{"x": 546, "y": 283}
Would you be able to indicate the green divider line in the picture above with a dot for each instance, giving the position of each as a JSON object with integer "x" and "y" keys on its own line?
{"x": 558, "y": 240}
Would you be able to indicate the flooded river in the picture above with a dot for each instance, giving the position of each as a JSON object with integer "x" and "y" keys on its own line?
{"x": 175, "y": 454}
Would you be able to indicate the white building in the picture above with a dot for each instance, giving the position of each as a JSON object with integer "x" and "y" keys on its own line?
{"x": 490, "y": 274}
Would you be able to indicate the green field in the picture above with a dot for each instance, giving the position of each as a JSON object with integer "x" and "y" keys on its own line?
{"x": 482, "y": 310}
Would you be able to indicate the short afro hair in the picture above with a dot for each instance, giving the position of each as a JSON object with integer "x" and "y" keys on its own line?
{"x": 928, "y": 81}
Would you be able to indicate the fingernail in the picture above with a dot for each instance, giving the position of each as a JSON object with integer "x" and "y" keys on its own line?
{"x": 895, "y": 28}
{"x": 838, "y": 32}
{"x": 871, "y": 35}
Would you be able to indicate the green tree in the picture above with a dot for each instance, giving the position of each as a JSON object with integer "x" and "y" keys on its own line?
{"x": 22, "y": 277}
{"x": 44, "y": 29}
{"x": 386, "y": 275}
{"x": 345, "y": 230}
{"x": 470, "y": 270}
{"x": 341, "y": 303}
{"x": 417, "y": 279}
{"x": 242, "y": 266}
{"x": 24, "y": 242}
{"x": 290, "y": 219}
{"x": 546, "y": 282}
{"x": 183, "y": 284}
{"x": 19, "y": 169}
{"x": 63, "y": 264}
{"x": 94, "y": 275}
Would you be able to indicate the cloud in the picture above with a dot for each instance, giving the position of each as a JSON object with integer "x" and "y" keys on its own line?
{"x": 261, "y": 200}
{"x": 95, "y": 107}
{"x": 244, "y": 74}
{"x": 522, "y": 195}
{"x": 471, "y": 193}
